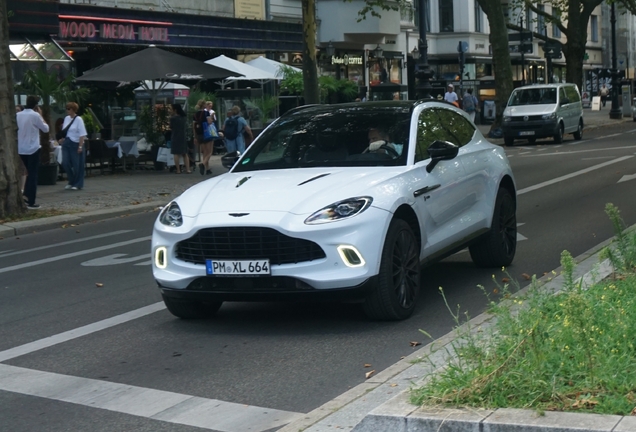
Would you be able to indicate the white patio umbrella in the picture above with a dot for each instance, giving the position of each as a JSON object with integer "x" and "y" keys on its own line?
{"x": 271, "y": 66}
{"x": 249, "y": 73}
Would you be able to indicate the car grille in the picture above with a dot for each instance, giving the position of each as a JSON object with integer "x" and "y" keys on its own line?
{"x": 530, "y": 118}
{"x": 234, "y": 243}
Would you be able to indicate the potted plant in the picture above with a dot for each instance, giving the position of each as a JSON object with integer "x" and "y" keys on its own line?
{"x": 90, "y": 124}
{"x": 153, "y": 124}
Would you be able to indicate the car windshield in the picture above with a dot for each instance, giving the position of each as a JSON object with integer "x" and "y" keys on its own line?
{"x": 535, "y": 96}
{"x": 333, "y": 136}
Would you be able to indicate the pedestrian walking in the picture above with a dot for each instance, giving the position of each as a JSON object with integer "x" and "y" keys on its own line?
{"x": 23, "y": 170}
{"x": 30, "y": 123}
{"x": 233, "y": 130}
{"x": 470, "y": 103}
{"x": 72, "y": 139}
{"x": 604, "y": 92}
{"x": 178, "y": 144}
{"x": 451, "y": 96}
{"x": 202, "y": 118}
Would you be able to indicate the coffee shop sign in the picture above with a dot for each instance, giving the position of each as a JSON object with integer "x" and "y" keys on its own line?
{"x": 119, "y": 30}
{"x": 346, "y": 60}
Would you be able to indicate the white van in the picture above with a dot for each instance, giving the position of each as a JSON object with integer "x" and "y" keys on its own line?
{"x": 543, "y": 111}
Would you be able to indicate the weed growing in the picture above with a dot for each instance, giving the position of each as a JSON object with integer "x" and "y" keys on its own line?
{"x": 569, "y": 351}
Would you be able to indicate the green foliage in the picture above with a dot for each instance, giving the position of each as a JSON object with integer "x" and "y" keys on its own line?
{"x": 89, "y": 122}
{"x": 48, "y": 85}
{"x": 153, "y": 124}
{"x": 568, "y": 351}
{"x": 195, "y": 96}
{"x": 292, "y": 82}
{"x": 265, "y": 105}
{"x": 622, "y": 253}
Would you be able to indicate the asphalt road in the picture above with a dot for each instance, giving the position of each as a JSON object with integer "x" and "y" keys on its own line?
{"x": 79, "y": 308}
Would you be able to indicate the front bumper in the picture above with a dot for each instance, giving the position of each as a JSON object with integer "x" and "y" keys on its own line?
{"x": 365, "y": 232}
{"x": 530, "y": 129}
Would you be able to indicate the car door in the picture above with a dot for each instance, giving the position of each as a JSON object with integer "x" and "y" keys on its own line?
{"x": 443, "y": 195}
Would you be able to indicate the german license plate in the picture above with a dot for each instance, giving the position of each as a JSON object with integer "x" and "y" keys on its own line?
{"x": 525, "y": 133}
{"x": 237, "y": 267}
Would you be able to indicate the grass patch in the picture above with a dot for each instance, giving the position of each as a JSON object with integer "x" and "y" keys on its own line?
{"x": 569, "y": 351}
{"x": 36, "y": 214}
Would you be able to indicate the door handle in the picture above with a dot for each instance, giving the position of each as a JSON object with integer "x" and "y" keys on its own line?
{"x": 425, "y": 190}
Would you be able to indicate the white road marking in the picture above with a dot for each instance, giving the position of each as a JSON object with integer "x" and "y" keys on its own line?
{"x": 71, "y": 255}
{"x": 627, "y": 178}
{"x": 67, "y": 243}
{"x": 114, "y": 259}
{"x": 568, "y": 153}
{"x": 143, "y": 402}
{"x": 145, "y": 263}
{"x": 571, "y": 175}
{"x": 79, "y": 332}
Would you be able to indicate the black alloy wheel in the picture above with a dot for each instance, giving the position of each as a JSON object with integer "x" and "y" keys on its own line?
{"x": 498, "y": 247}
{"x": 397, "y": 291}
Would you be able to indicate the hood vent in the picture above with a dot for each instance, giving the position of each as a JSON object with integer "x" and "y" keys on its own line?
{"x": 314, "y": 178}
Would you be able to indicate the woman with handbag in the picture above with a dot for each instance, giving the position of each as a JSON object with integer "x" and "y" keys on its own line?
{"x": 71, "y": 138}
{"x": 178, "y": 145}
{"x": 202, "y": 121}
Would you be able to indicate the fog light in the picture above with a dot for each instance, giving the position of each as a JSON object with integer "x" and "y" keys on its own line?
{"x": 161, "y": 257}
{"x": 350, "y": 256}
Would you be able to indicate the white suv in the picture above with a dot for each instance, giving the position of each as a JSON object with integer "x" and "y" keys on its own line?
{"x": 339, "y": 201}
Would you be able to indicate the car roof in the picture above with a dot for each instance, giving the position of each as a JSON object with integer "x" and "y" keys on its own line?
{"x": 401, "y": 105}
{"x": 554, "y": 85}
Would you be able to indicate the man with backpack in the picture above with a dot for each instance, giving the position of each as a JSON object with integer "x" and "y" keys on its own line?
{"x": 233, "y": 129}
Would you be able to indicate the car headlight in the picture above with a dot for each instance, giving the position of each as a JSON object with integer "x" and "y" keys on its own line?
{"x": 507, "y": 118}
{"x": 340, "y": 210}
{"x": 550, "y": 116}
{"x": 171, "y": 215}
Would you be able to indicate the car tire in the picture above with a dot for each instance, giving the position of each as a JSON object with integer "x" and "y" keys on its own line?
{"x": 578, "y": 135}
{"x": 395, "y": 295}
{"x": 188, "y": 309}
{"x": 497, "y": 248}
{"x": 532, "y": 140}
{"x": 558, "y": 137}
{"x": 509, "y": 142}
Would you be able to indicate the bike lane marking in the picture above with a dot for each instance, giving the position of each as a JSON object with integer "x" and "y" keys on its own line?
{"x": 571, "y": 175}
{"x": 72, "y": 255}
{"x": 110, "y": 234}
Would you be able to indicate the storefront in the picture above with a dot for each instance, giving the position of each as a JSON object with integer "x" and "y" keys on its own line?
{"x": 344, "y": 65}
{"x": 95, "y": 35}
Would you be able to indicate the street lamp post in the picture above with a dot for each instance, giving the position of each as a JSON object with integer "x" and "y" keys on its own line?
{"x": 423, "y": 71}
{"x": 615, "y": 112}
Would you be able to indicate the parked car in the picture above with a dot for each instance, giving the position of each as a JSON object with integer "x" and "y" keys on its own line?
{"x": 634, "y": 109}
{"x": 543, "y": 111}
{"x": 339, "y": 201}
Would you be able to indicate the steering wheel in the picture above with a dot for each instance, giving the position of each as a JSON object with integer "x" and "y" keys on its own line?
{"x": 393, "y": 152}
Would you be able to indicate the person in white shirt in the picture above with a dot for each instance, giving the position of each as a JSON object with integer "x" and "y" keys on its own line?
{"x": 73, "y": 154}
{"x": 30, "y": 123}
{"x": 451, "y": 96}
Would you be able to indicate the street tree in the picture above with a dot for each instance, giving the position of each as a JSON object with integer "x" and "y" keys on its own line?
{"x": 11, "y": 202}
{"x": 572, "y": 18}
{"x": 310, "y": 65}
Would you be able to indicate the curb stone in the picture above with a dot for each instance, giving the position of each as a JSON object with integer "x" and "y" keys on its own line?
{"x": 381, "y": 403}
{"x": 38, "y": 225}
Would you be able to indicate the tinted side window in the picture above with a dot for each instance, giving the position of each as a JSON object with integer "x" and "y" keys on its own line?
{"x": 572, "y": 94}
{"x": 562, "y": 95}
{"x": 441, "y": 124}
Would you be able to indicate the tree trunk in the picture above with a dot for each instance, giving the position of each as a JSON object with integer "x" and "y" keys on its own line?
{"x": 574, "y": 49}
{"x": 10, "y": 166}
{"x": 500, "y": 55}
{"x": 310, "y": 69}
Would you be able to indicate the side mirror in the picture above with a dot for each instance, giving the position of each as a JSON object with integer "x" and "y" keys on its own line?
{"x": 230, "y": 159}
{"x": 439, "y": 151}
